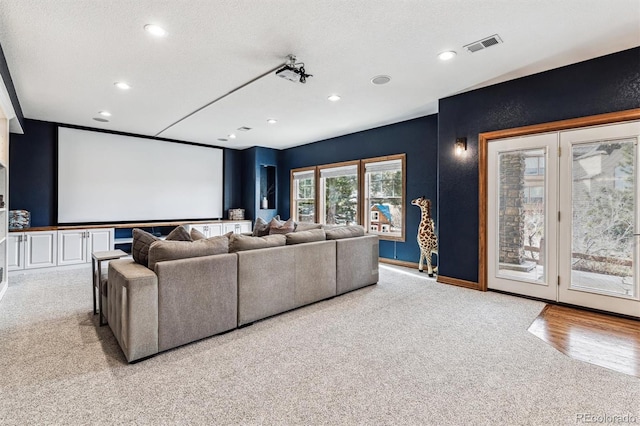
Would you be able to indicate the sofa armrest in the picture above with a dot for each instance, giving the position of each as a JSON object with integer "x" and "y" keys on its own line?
{"x": 133, "y": 308}
{"x": 357, "y": 262}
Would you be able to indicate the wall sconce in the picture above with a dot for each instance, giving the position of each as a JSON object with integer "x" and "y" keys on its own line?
{"x": 461, "y": 146}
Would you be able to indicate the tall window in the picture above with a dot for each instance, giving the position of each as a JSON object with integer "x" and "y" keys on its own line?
{"x": 370, "y": 192}
{"x": 339, "y": 194}
{"x": 304, "y": 194}
{"x": 384, "y": 195}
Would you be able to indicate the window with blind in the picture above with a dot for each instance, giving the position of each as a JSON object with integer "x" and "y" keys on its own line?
{"x": 339, "y": 194}
{"x": 370, "y": 192}
{"x": 384, "y": 196}
{"x": 303, "y": 203}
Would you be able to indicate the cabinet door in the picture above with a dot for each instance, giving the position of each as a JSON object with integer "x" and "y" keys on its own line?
{"x": 214, "y": 230}
{"x": 99, "y": 240}
{"x": 15, "y": 251}
{"x": 201, "y": 228}
{"x": 245, "y": 226}
{"x": 40, "y": 249}
{"x": 72, "y": 247}
{"x": 236, "y": 228}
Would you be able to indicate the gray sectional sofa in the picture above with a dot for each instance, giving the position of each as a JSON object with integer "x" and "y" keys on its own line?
{"x": 189, "y": 298}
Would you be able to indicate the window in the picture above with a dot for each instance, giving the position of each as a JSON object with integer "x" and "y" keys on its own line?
{"x": 533, "y": 194}
{"x": 339, "y": 194}
{"x": 384, "y": 195}
{"x": 303, "y": 188}
{"x": 622, "y": 178}
{"x": 534, "y": 166}
{"x": 370, "y": 192}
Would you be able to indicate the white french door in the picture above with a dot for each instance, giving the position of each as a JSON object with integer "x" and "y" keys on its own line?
{"x": 599, "y": 217}
{"x": 522, "y": 228}
{"x": 563, "y": 217}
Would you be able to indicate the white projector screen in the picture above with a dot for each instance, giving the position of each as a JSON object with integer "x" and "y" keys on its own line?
{"x": 104, "y": 177}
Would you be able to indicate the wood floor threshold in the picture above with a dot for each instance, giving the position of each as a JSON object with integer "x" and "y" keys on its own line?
{"x": 605, "y": 340}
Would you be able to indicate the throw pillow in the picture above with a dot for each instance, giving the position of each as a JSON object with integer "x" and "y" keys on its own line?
{"x": 140, "y": 247}
{"x": 239, "y": 242}
{"x": 161, "y": 251}
{"x": 277, "y": 227}
{"x": 197, "y": 235}
{"x": 261, "y": 227}
{"x": 344, "y": 232}
{"x": 306, "y": 226}
{"x": 305, "y": 236}
{"x": 179, "y": 234}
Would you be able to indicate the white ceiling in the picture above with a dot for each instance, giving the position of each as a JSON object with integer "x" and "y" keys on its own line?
{"x": 65, "y": 55}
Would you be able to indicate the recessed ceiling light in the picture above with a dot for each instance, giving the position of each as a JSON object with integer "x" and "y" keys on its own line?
{"x": 105, "y": 113}
{"x": 122, "y": 85}
{"x": 155, "y": 30}
{"x": 100, "y": 119}
{"x": 272, "y": 121}
{"x": 445, "y": 56}
{"x": 334, "y": 98}
{"x": 381, "y": 79}
{"x": 232, "y": 136}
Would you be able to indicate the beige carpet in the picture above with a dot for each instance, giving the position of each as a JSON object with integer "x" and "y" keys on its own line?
{"x": 406, "y": 351}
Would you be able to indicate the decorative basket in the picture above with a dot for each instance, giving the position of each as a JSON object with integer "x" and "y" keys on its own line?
{"x": 19, "y": 219}
{"x": 236, "y": 214}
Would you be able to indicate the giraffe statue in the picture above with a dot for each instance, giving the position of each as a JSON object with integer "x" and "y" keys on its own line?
{"x": 427, "y": 239}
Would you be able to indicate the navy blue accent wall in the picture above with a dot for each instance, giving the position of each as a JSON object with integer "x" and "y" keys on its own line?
{"x": 33, "y": 171}
{"x": 417, "y": 138}
{"x": 8, "y": 82}
{"x": 232, "y": 180}
{"x": 606, "y": 84}
{"x": 253, "y": 160}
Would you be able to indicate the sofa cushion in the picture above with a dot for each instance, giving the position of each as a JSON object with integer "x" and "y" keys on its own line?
{"x": 278, "y": 227}
{"x": 160, "y": 251}
{"x": 306, "y": 226}
{"x": 261, "y": 228}
{"x": 179, "y": 234}
{"x": 239, "y": 242}
{"x": 197, "y": 235}
{"x": 344, "y": 232}
{"x": 305, "y": 236}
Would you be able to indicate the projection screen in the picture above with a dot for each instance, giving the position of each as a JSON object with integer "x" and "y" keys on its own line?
{"x": 104, "y": 177}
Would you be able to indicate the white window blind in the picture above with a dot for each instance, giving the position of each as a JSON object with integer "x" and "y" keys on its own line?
{"x": 339, "y": 171}
{"x": 307, "y": 174}
{"x": 383, "y": 166}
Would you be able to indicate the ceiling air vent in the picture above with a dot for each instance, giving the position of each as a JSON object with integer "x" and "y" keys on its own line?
{"x": 244, "y": 129}
{"x": 483, "y": 44}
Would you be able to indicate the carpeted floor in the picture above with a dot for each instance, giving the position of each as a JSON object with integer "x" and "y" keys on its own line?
{"x": 405, "y": 351}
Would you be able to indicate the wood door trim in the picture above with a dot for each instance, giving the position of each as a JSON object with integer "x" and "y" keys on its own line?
{"x": 554, "y": 126}
{"x": 458, "y": 282}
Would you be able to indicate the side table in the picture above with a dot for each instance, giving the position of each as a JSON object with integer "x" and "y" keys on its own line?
{"x": 98, "y": 257}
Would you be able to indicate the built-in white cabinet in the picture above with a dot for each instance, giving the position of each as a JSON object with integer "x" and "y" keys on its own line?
{"x": 76, "y": 245}
{"x": 237, "y": 227}
{"x": 208, "y": 229}
{"x": 29, "y": 250}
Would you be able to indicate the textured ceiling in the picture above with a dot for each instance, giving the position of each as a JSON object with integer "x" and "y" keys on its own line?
{"x": 65, "y": 55}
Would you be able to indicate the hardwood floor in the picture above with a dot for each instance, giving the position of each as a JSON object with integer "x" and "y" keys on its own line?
{"x": 600, "y": 339}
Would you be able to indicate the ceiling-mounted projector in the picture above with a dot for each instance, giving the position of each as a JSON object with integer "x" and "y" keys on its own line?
{"x": 293, "y": 71}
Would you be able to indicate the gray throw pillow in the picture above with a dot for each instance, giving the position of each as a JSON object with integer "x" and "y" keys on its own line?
{"x": 161, "y": 251}
{"x": 239, "y": 242}
{"x": 197, "y": 235}
{"x": 179, "y": 234}
{"x": 305, "y": 236}
{"x": 277, "y": 227}
{"x": 306, "y": 226}
{"x": 261, "y": 228}
{"x": 140, "y": 247}
{"x": 344, "y": 232}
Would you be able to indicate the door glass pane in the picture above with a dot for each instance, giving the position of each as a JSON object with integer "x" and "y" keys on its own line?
{"x": 603, "y": 200}
{"x": 521, "y": 215}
